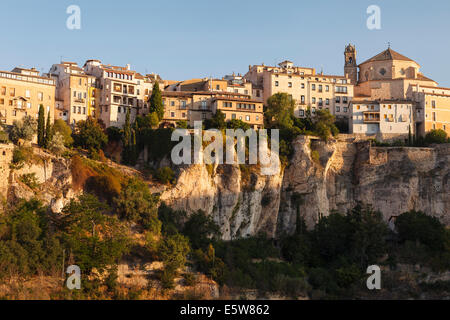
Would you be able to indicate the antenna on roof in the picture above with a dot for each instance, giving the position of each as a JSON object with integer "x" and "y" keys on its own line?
{"x": 389, "y": 45}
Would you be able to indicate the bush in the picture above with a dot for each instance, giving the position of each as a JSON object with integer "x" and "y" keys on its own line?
{"x": 30, "y": 180}
{"x": 23, "y": 129}
{"x": 21, "y": 155}
{"x": 436, "y": 136}
{"x": 417, "y": 226}
{"x": 106, "y": 187}
{"x": 165, "y": 175}
{"x": 90, "y": 135}
{"x": 61, "y": 127}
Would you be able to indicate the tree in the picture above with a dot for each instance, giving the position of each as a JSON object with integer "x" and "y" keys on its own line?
{"x": 136, "y": 203}
{"x": 201, "y": 229}
{"x": 56, "y": 145}
{"x": 436, "y": 136}
{"x": 217, "y": 121}
{"x": 90, "y": 135}
{"x": 94, "y": 238}
{"x": 324, "y": 124}
{"x": 280, "y": 110}
{"x": 48, "y": 132}
{"x": 182, "y": 124}
{"x": 173, "y": 251}
{"x": 417, "y": 226}
{"x": 61, "y": 127}
{"x": 155, "y": 102}
{"x": 23, "y": 129}
{"x": 41, "y": 126}
{"x": 237, "y": 124}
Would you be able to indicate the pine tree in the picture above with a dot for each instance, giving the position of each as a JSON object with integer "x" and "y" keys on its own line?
{"x": 41, "y": 126}
{"x": 127, "y": 129}
{"x": 155, "y": 102}
{"x": 48, "y": 132}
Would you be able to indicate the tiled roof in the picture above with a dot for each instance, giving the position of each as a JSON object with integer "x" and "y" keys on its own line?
{"x": 388, "y": 54}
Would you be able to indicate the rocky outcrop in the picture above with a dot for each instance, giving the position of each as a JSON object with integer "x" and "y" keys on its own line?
{"x": 321, "y": 177}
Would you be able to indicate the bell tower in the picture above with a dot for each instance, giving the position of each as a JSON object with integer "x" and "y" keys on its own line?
{"x": 351, "y": 68}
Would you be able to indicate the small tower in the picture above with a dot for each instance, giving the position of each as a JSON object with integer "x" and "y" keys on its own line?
{"x": 350, "y": 68}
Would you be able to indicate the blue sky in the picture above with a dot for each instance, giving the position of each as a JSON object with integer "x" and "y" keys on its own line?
{"x": 198, "y": 38}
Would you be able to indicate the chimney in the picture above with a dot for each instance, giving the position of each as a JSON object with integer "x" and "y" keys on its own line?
{"x": 128, "y": 67}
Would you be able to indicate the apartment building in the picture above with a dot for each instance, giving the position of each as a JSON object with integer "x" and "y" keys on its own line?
{"x": 392, "y": 79}
{"x": 22, "y": 91}
{"x": 121, "y": 89}
{"x": 247, "y": 110}
{"x": 308, "y": 89}
{"x": 176, "y": 106}
{"x": 202, "y": 105}
{"x": 389, "y": 117}
{"x": 77, "y": 93}
{"x": 432, "y": 108}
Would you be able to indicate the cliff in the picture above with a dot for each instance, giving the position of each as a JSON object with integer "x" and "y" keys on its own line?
{"x": 321, "y": 177}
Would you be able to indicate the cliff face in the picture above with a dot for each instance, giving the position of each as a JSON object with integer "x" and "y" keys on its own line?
{"x": 321, "y": 177}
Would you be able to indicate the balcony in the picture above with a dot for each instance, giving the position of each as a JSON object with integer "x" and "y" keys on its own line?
{"x": 79, "y": 100}
{"x": 371, "y": 117}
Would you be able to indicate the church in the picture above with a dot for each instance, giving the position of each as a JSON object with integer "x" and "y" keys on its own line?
{"x": 392, "y": 98}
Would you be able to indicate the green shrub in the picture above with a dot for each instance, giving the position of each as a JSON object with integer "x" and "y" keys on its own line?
{"x": 165, "y": 175}
{"x": 30, "y": 180}
{"x": 436, "y": 136}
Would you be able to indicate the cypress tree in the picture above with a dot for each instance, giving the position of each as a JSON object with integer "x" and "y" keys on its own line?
{"x": 41, "y": 127}
{"x": 48, "y": 132}
{"x": 155, "y": 102}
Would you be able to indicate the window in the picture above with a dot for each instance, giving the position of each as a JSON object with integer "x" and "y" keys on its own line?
{"x": 313, "y": 87}
{"x": 302, "y": 99}
{"x": 3, "y": 91}
{"x": 203, "y": 104}
{"x": 40, "y": 96}
{"x": 29, "y": 105}
{"x": 74, "y": 109}
{"x": 12, "y": 92}
{"x": 276, "y": 83}
{"x": 79, "y": 109}
{"x": 183, "y": 104}
{"x": 172, "y": 103}
{"x": 344, "y": 100}
{"x": 313, "y": 100}
{"x": 338, "y": 109}
{"x": 84, "y": 110}
{"x": 290, "y": 84}
{"x": 217, "y": 87}
{"x": 433, "y": 104}
{"x": 2, "y": 101}
{"x": 247, "y": 118}
{"x": 327, "y": 88}
{"x": 320, "y": 88}
{"x": 172, "y": 114}
{"x": 345, "y": 109}
{"x": 257, "y": 118}
{"x": 183, "y": 114}
{"x": 27, "y": 93}
{"x": 301, "y": 113}
{"x": 434, "y": 116}
{"x": 338, "y": 99}
{"x": 303, "y": 86}
{"x": 233, "y": 116}
{"x": 327, "y": 102}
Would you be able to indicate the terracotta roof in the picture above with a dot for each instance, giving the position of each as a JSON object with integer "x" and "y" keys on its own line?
{"x": 388, "y": 54}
